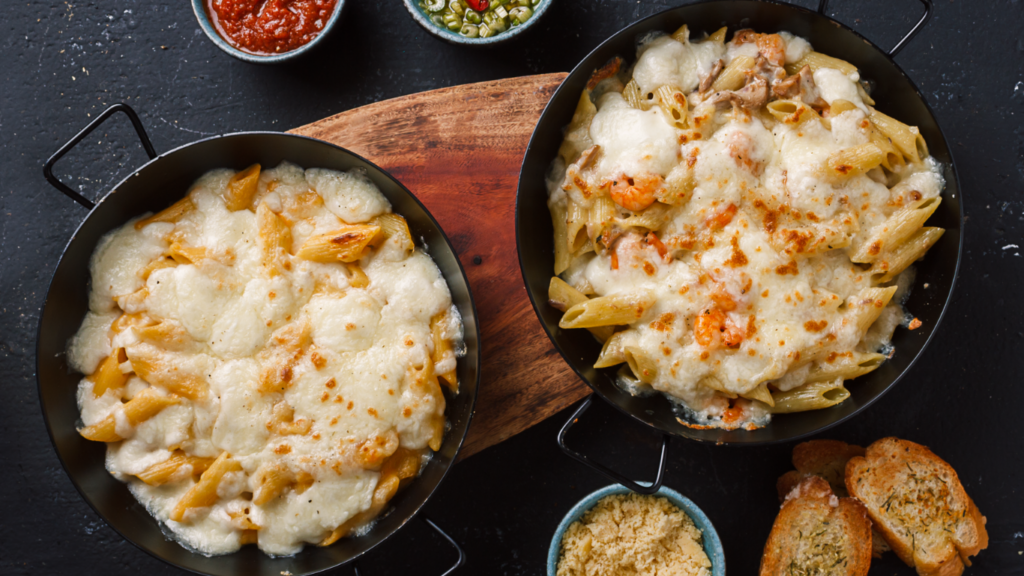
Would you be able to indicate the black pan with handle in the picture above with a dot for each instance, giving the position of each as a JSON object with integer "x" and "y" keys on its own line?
{"x": 895, "y": 95}
{"x": 159, "y": 183}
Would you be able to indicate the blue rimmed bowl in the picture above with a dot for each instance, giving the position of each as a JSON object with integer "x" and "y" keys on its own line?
{"x": 199, "y": 7}
{"x": 712, "y": 545}
{"x": 423, "y": 19}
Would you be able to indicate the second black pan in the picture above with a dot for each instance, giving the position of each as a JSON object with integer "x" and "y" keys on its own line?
{"x": 154, "y": 186}
{"x": 895, "y": 95}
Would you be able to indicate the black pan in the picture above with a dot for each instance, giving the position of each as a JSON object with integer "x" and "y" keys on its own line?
{"x": 895, "y": 95}
{"x": 154, "y": 186}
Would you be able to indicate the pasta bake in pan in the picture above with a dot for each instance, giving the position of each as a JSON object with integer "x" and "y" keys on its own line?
{"x": 736, "y": 222}
{"x": 265, "y": 358}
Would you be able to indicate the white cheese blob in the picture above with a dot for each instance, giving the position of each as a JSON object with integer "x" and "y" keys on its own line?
{"x": 632, "y": 141}
{"x": 350, "y": 196}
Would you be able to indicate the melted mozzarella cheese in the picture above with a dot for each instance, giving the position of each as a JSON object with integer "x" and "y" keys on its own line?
{"x": 343, "y": 355}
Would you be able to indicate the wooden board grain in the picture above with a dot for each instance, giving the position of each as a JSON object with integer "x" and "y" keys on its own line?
{"x": 459, "y": 151}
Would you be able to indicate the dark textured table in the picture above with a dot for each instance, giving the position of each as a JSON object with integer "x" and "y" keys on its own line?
{"x": 66, "y": 61}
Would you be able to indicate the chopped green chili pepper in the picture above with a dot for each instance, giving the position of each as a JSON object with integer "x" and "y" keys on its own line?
{"x": 479, "y": 18}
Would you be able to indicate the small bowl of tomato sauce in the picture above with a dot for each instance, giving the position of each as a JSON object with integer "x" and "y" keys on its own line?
{"x": 267, "y": 31}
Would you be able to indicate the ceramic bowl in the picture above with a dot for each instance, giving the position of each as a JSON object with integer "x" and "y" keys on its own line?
{"x": 198, "y": 6}
{"x": 423, "y": 19}
{"x": 712, "y": 545}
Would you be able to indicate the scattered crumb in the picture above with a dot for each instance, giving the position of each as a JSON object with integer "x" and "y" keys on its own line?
{"x": 914, "y": 324}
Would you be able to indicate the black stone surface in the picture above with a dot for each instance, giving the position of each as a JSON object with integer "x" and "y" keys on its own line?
{"x": 63, "y": 62}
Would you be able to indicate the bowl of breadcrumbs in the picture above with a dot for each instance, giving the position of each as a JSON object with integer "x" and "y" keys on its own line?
{"x": 616, "y": 532}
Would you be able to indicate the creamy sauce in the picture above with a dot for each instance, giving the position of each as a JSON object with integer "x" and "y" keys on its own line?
{"x": 349, "y": 383}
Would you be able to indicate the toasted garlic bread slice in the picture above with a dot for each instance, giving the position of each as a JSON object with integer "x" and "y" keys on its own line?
{"x": 818, "y": 534}
{"x": 824, "y": 458}
{"x": 918, "y": 505}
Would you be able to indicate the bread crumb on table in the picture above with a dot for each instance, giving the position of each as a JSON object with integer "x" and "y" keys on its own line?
{"x": 633, "y": 535}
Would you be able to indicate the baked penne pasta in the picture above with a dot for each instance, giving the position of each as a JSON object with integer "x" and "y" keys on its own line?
{"x": 817, "y": 61}
{"x": 348, "y": 244}
{"x": 614, "y": 310}
{"x": 896, "y": 230}
{"x": 178, "y": 467}
{"x": 748, "y": 220}
{"x": 204, "y": 492}
{"x": 812, "y": 396}
{"x": 171, "y": 214}
{"x": 142, "y": 407}
{"x": 242, "y": 188}
{"x": 891, "y": 264}
{"x": 907, "y": 139}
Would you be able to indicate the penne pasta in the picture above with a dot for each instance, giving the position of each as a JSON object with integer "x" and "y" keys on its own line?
{"x": 357, "y": 278}
{"x": 563, "y": 296}
{"x": 187, "y": 255}
{"x": 563, "y": 256}
{"x": 761, "y": 394}
{"x": 204, "y": 492}
{"x": 178, "y": 467}
{"x": 612, "y": 310}
{"x": 394, "y": 226}
{"x": 651, "y": 218}
{"x": 108, "y": 375}
{"x": 817, "y": 61}
{"x": 865, "y": 307}
{"x": 795, "y": 112}
{"x": 674, "y": 105}
{"x": 891, "y": 264}
{"x": 577, "y": 134}
{"x": 142, "y": 407}
{"x": 274, "y": 240}
{"x": 635, "y": 97}
{"x": 348, "y": 244}
{"x": 734, "y": 75}
{"x": 907, "y": 139}
{"x": 844, "y": 366}
{"x": 641, "y": 364}
{"x": 442, "y": 350}
{"x": 812, "y": 396}
{"x": 682, "y": 34}
{"x": 613, "y": 352}
{"x": 171, "y": 214}
{"x": 158, "y": 368}
{"x": 896, "y": 230}
{"x": 853, "y": 161}
{"x": 242, "y": 188}
{"x": 718, "y": 35}
{"x": 270, "y": 479}
{"x": 575, "y": 226}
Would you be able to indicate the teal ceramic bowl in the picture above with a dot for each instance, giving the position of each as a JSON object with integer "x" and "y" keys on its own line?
{"x": 423, "y": 19}
{"x": 198, "y": 6}
{"x": 712, "y": 545}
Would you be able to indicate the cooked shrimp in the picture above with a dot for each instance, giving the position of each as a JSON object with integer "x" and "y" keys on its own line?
{"x": 636, "y": 193}
{"x": 712, "y": 329}
{"x": 772, "y": 47}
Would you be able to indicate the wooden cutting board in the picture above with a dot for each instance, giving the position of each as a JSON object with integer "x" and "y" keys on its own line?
{"x": 459, "y": 150}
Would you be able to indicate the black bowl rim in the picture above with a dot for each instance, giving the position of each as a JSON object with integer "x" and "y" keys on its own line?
{"x": 475, "y": 325}
{"x": 579, "y": 69}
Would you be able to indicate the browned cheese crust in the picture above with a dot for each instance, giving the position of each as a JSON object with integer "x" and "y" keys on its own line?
{"x": 818, "y": 534}
{"x": 918, "y": 505}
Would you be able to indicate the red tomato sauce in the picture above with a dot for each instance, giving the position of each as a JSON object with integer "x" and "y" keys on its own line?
{"x": 269, "y": 26}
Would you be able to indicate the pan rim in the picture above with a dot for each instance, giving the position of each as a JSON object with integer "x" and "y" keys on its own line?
{"x": 805, "y": 12}
{"x": 113, "y": 189}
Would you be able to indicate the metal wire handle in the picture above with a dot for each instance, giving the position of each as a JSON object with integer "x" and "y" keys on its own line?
{"x": 823, "y": 5}
{"x": 634, "y": 486}
{"x": 462, "y": 555}
{"x": 71, "y": 192}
